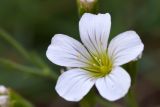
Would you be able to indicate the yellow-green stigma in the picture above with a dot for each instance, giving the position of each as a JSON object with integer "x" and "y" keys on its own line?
{"x": 99, "y": 65}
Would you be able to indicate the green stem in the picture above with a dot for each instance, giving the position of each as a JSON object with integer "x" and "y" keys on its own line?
{"x": 104, "y": 102}
{"x": 20, "y": 48}
{"x": 30, "y": 70}
{"x": 15, "y": 44}
{"x": 131, "y": 68}
{"x": 89, "y": 100}
{"x": 31, "y": 57}
{"x": 131, "y": 98}
{"x": 38, "y": 60}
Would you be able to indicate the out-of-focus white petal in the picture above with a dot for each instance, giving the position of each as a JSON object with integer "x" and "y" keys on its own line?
{"x": 4, "y": 101}
{"x": 88, "y": 1}
{"x": 66, "y": 51}
{"x": 125, "y": 47}
{"x": 94, "y": 31}
{"x": 74, "y": 84}
{"x": 3, "y": 89}
{"x": 115, "y": 85}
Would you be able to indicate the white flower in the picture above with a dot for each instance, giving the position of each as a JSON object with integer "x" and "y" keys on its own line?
{"x": 95, "y": 62}
{"x": 4, "y": 101}
{"x": 89, "y": 1}
{"x": 3, "y": 96}
{"x": 3, "y": 90}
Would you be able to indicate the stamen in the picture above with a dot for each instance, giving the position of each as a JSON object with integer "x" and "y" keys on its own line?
{"x": 100, "y": 62}
{"x": 96, "y": 58}
{"x": 94, "y": 64}
{"x": 101, "y": 65}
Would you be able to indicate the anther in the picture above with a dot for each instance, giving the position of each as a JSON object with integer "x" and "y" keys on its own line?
{"x": 94, "y": 64}
{"x": 96, "y": 58}
{"x": 100, "y": 61}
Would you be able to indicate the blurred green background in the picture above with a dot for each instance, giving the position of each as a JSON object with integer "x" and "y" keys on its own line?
{"x": 34, "y": 22}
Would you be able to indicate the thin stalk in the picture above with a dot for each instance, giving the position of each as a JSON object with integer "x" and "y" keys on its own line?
{"x": 29, "y": 70}
{"x": 22, "y": 51}
{"x": 36, "y": 58}
{"x": 89, "y": 100}
{"x": 131, "y": 68}
{"x": 33, "y": 58}
{"x": 131, "y": 98}
{"x": 104, "y": 102}
{"x": 15, "y": 44}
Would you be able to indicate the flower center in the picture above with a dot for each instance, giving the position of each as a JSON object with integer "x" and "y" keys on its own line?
{"x": 100, "y": 65}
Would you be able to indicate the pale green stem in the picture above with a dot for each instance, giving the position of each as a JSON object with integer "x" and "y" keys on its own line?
{"x": 30, "y": 70}
{"x": 131, "y": 68}
{"x": 38, "y": 60}
{"x": 104, "y": 102}
{"x": 15, "y": 44}
{"x": 131, "y": 98}
{"x": 89, "y": 100}
{"x": 25, "y": 54}
{"x": 31, "y": 57}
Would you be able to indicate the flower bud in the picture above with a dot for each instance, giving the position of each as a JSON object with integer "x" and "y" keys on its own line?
{"x": 4, "y": 99}
{"x": 87, "y": 6}
{"x": 3, "y": 90}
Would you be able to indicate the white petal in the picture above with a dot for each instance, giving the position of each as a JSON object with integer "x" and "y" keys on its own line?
{"x": 3, "y": 90}
{"x": 115, "y": 85}
{"x": 4, "y": 101}
{"x": 66, "y": 51}
{"x": 125, "y": 47}
{"x": 94, "y": 31}
{"x": 138, "y": 57}
{"x": 74, "y": 84}
{"x": 87, "y": 1}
